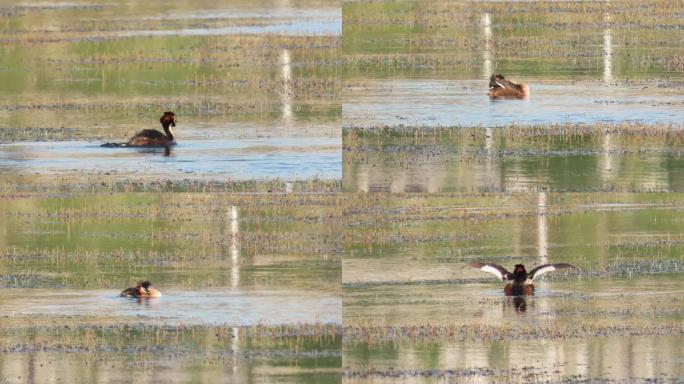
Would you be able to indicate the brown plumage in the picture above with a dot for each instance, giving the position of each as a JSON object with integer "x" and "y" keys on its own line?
{"x": 152, "y": 137}
{"x": 143, "y": 289}
{"x": 500, "y": 88}
{"x": 522, "y": 281}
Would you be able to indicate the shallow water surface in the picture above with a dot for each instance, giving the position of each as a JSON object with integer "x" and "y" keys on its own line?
{"x": 413, "y": 68}
{"x": 253, "y": 84}
{"x": 238, "y": 17}
{"x": 569, "y": 329}
{"x": 413, "y": 311}
{"x": 278, "y": 21}
{"x": 250, "y": 284}
{"x": 567, "y": 301}
{"x": 437, "y": 102}
{"x": 235, "y": 307}
{"x": 238, "y": 159}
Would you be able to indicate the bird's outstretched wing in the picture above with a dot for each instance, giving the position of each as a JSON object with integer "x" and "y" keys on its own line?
{"x": 542, "y": 269}
{"x": 496, "y": 269}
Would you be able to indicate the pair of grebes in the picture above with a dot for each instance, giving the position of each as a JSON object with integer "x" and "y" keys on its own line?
{"x": 499, "y": 87}
{"x": 143, "y": 289}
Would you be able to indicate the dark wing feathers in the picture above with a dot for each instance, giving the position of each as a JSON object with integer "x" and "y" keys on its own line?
{"x": 495, "y": 269}
{"x": 150, "y": 133}
{"x": 542, "y": 269}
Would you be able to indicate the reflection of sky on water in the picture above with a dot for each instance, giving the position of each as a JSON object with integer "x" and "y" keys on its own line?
{"x": 210, "y": 306}
{"x": 237, "y": 159}
{"x": 430, "y": 102}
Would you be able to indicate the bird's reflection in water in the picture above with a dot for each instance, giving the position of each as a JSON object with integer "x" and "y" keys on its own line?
{"x": 147, "y": 302}
{"x": 519, "y": 303}
{"x": 168, "y": 150}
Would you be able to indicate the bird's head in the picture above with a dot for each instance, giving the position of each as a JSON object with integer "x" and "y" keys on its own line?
{"x": 519, "y": 272}
{"x": 168, "y": 118}
{"x": 495, "y": 81}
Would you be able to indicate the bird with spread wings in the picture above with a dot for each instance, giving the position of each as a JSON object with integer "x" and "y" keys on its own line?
{"x": 522, "y": 280}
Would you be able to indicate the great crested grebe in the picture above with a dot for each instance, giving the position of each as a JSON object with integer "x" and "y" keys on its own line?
{"x": 143, "y": 289}
{"x": 522, "y": 281}
{"x": 152, "y": 137}
{"x": 499, "y": 87}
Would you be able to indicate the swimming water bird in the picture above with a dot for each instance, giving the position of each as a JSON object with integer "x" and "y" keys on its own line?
{"x": 499, "y": 87}
{"x": 522, "y": 281}
{"x": 143, "y": 289}
{"x": 152, "y": 137}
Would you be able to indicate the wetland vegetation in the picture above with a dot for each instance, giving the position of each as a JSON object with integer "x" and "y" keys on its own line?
{"x": 469, "y": 40}
{"x": 249, "y": 81}
{"x": 250, "y": 282}
{"x": 243, "y": 229}
{"x": 237, "y": 226}
{"x": 557, "y": 177}
{"x": 604, "y": 78}
{"x": 413, "y": 310}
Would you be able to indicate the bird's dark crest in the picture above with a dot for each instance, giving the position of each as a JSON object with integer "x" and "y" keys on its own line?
{"x": 168, "y": 117}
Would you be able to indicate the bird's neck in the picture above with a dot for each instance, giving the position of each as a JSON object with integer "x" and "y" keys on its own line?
{"x": 520, "y": 276}
{"x": 169, "y": 132}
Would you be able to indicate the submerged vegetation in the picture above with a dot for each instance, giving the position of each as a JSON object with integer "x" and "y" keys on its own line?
{"x": 627, "y": 157}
